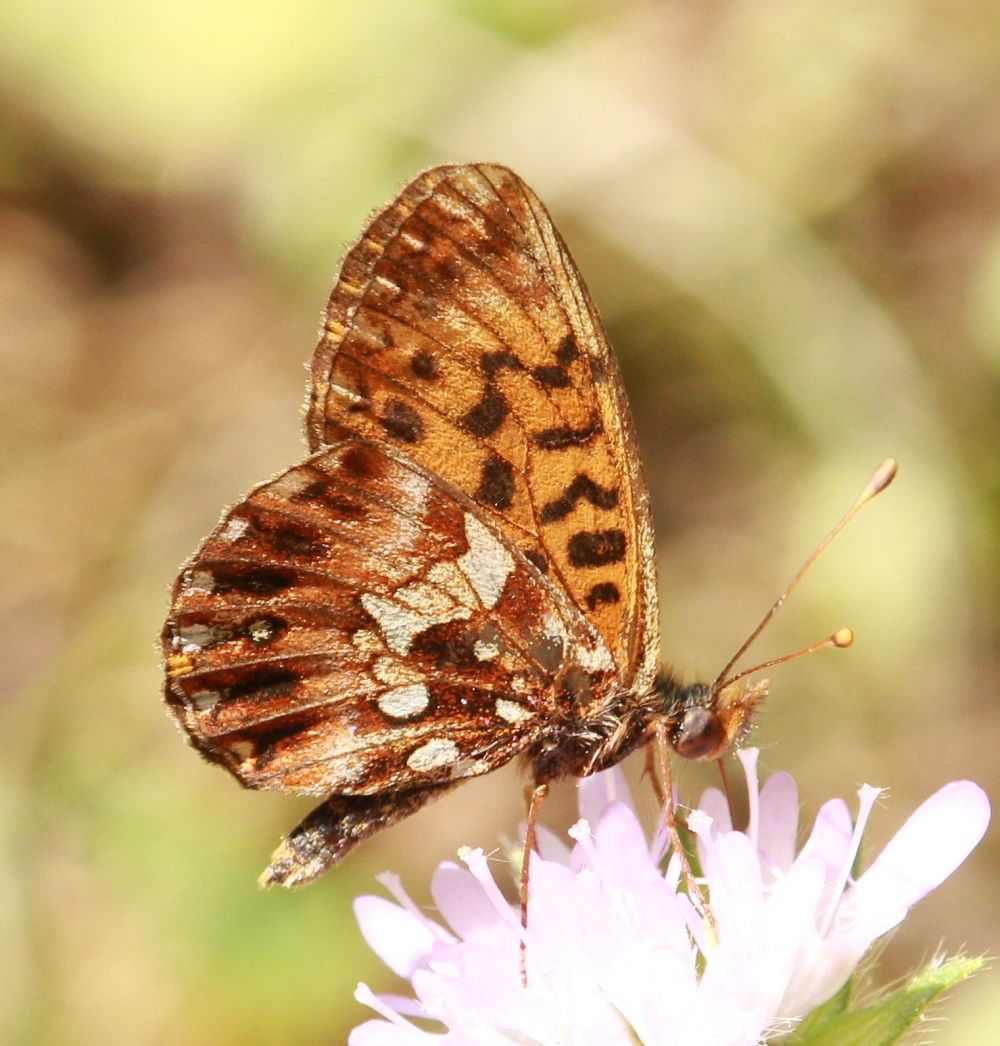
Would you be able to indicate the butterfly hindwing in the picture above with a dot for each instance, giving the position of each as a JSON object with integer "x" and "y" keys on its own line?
{"x": 354, "y": 627}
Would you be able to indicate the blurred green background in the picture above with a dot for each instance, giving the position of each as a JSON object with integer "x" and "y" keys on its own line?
{"x": 788, "y": 213}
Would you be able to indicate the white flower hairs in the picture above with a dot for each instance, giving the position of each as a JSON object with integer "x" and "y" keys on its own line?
{"x": 616, "y": 952}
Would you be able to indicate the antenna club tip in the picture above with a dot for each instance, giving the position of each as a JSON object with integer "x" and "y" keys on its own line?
{"x": 883, "y": 475}
{"x": 843, "y": 637}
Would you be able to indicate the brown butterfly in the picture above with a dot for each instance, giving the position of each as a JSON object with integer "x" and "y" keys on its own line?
{"x": 462, "y": 570}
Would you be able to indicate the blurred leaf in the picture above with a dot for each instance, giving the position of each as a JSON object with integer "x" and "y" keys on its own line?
{"x": 526, "y": 21}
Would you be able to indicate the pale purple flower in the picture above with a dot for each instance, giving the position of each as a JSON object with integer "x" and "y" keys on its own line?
{"x": 616, "y": 953}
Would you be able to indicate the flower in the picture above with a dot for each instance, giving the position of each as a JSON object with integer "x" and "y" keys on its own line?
{"x": 615, "y": 950}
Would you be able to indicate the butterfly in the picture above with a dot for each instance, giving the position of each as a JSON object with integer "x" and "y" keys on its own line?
{"x": 462, "y": 570}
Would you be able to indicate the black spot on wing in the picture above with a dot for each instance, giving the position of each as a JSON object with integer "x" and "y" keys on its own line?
{"x": 424, "y": 365}
{"x": 568, "y": 350}
{"x": 494, "y": 362}
{"x": 595, "y": 548}
{"x": 362, "y": 462}
{"x": 323, "y": 492}
{"x": 264, "y": 630}
{"x": 554, "y": 377}
{"x": 581, "y": 487}
{"x": 343, "y": 507}
{"x": 443, "y": 268}
{"x": 605, "y": 592}
{"x": 312, "y": 492}
{"x": 567, "y": 436}
{"x": 537, "y": 559}
{"x": 297, "y": 541}
{"x": 266, "y": 740}
{"x": 496, "y": 487}
{"x": 445, "y": 646}
{"x": 260, "y": 681}
{"x": 258, "y": 581}
{"x": 487, "y": 415}
{"x": 402, "y": 422}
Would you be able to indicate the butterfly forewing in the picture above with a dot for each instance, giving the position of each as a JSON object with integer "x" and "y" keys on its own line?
{"x": 461, "y": 333}
{"x": 354, "y": 627}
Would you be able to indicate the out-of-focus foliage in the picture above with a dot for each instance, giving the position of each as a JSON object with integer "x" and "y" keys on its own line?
{"x": 789, "y": 214}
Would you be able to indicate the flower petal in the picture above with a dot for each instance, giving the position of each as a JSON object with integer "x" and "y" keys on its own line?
{"x": 709, "y": 820}
{"x": 748, "y": 760}
{"x": 392, "y": 1031}
{"x": 460, "y": 899}
{"x": 778, "y": 825}
{"x": 597, "y": 792}
{"x": 735, "y": 886}
{"x": 714, "y": 803}
{"x": 550, "y": 846}
{"x": 401, "y": 940}
{"x": 621, "y": 843}
{"x": 935, "y": 840}
{"x": 926, "y": 850}
{"x": 830, "y": 838}
{"x": 382, "y": 1033}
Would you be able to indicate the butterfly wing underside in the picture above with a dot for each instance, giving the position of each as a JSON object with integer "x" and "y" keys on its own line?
{"x": 353, "y": 627}
{"x": 417, "y": 602}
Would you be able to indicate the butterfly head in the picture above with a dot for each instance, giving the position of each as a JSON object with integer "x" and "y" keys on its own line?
{"x": 705, "y": 721}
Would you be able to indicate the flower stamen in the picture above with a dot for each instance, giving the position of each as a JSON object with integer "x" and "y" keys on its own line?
{"x": 867, "y": 796}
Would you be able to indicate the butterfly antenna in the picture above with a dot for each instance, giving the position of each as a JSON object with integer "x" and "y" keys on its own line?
{"x": 881, "y": 478}
{"x": 842, "y": 638}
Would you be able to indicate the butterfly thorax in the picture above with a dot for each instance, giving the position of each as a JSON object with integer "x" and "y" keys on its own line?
{"x": 593, "y": 733}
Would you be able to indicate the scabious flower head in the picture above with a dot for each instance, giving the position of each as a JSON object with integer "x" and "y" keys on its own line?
{"x": 615, "y": 950}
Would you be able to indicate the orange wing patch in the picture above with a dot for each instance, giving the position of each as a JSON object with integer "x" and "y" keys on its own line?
{"x": 461, "y": 332}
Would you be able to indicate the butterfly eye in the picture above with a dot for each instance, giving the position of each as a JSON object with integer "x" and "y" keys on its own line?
{"x": 700, "y": 734}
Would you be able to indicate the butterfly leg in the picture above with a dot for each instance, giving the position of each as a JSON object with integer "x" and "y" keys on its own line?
{"x": 659, "y": 731}
{"x": 530, "y": 842}
{"x": 334, "y": 828}
{"x": 654, "y": 779}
